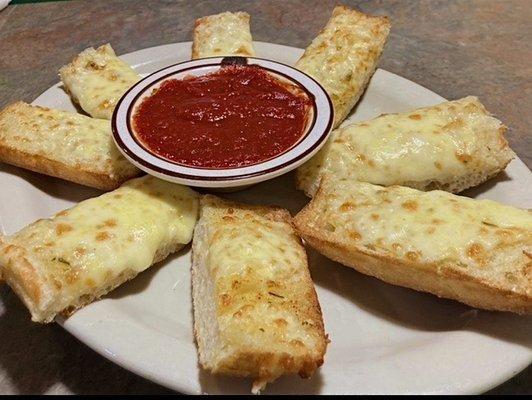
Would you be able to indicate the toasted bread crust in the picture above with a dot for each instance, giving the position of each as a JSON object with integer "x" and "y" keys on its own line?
{"x": 225, "y": 34}
{"x": 96, "y": 79}
{"x": 29, "y": 139}
{"x": 59, "y": 264}
{"x": 451, "y": 146}
{"x": 344, "y": 56}
{"x": 263, "y": 364}
{"x": 443, "y": 281}
{"x": 48, "y": 166}
{"x": 23, "y": 277}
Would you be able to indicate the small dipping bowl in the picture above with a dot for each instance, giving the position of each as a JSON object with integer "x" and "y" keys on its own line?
{"x": 317, "y": 128}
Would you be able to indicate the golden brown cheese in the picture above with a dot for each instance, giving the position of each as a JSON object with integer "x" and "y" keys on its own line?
{"x": 451, "y": 146}
{"x": 344, "y": 56}
{"x": 475, "y": 251}
{"x": 59, "y": 264}
{"x": 225, "y": 34}
{"x": 96, "y": 79}
{"x": 256, "y": 311}
{"x": 62, "y": 144}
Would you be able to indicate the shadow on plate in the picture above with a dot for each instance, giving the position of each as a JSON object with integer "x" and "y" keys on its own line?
{"x": 37, "y": 359}
{"x": 488, "y": 185}
{"x": 276, "y": 192}
{"x": 416, "y": 310}
{"x": 78, "y": 108}
{"x": 142, "y": 281}
{"x": 55, "y": 187}
{"x": 211, "y": 384}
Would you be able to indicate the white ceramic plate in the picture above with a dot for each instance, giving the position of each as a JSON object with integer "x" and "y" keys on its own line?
{"x": 384, "y": 339}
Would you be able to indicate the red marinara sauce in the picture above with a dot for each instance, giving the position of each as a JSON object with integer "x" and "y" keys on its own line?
{"x": 235, "y": 117}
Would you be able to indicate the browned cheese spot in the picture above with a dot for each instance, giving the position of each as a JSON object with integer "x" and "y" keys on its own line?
{"x": 101, "y": 236}
{"x": 225, "y": 300}
{"x": 71, "y": 276}
{"x": 61, "y": 229}
{"x": 438, "y": 165}
{"x": 272, "y": 284}
{"x": 375, "y": 217}
{"x": 477, "y": 252}
{"x": 410, "y": 205}
{"x": 92, "y": 65}
{"x": 297, "y": 343}
{"x": 455, "y": 124}
{"x": 413, "y": 255}
{"x": 396, "y": 247}
{"x": 90, "y": 282}
{"x": 462, "y": 157}
{"x": 504, "y": 233}
{"x": 57, "y": 283}
{"x": 280, "y": 322}
{"x": 243, "y": 310}
{"x": 416, "y": 117}
{"x": 347, "y": 206}
{"x": 105, "y": 105}
{"x": 354, "y": 235}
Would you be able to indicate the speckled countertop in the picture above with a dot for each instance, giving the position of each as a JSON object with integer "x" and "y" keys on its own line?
{"x": 452, "y": 47}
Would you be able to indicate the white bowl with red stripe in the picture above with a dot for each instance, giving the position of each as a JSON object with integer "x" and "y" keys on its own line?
{"x": 313, "y": 137}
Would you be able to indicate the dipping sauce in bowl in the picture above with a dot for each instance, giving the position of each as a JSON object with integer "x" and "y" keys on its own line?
{"x": 234, "y": 117}
{"x": 222, "y": 122}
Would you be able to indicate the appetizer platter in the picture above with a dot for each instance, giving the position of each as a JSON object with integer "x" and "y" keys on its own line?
{"x": 206, "y": 284}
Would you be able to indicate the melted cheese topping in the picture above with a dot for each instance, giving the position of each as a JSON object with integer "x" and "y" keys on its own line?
{"x": 83, "y": 249}
{"x": 343, "y": 57}
{"x": 97, "y": 79}
{"x": 225, "y": 34}
{"x": 73, "y": 139}
{"x": 441, "y": 143}
{"x": 263, "y": 296}
{"x": 479, "y": 238}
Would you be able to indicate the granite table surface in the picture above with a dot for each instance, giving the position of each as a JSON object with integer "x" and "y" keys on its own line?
{"x": 453, "y": 47}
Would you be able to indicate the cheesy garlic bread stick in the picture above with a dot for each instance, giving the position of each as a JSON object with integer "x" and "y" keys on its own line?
{"x": 344, "y": 56}
{"x": 96, "y": 79}
{"x": 62, "y": 263}
{"x": 256, "y": 313}
{"x": 478, "y": 252}
{"x": 66, "y": 145}
{"x": 451, "y": 146}
{"x": 225, "y": 34}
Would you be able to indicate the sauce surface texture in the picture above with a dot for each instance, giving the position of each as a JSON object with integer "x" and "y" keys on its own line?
{"x": 235, "y": 117}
